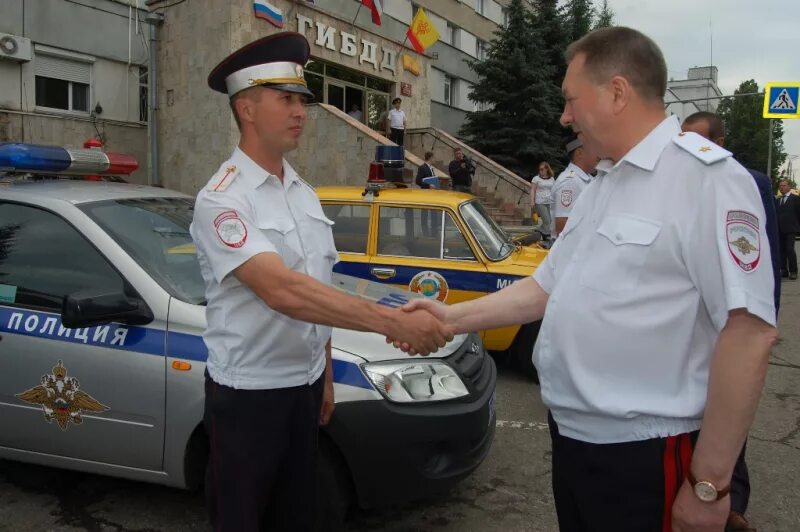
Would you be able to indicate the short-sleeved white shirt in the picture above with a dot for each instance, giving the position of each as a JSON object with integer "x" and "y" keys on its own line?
{"x": 244, "y": 211}
{"x": 656, "y": 253}
{"x": 569, "y": 186}
{"x": 397, "y": 119}
{"x": 544, "y": 188}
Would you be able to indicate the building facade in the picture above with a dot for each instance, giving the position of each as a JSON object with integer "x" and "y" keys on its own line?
{"x": 354, "y": 64}
{"x": 70, "y": 71}
{"x": 698, "y": 92}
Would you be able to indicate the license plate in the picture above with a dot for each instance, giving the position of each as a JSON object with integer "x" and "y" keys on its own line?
{"x": 492, "y": 404}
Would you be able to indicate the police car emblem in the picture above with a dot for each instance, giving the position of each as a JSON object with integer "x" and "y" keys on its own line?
{"x": 61, "y": 398}
{"x": 231, "y": 229}
{"x": 430, "y": 284}
{"x": 744, "y": 240}
{"x": 566, "y": 198}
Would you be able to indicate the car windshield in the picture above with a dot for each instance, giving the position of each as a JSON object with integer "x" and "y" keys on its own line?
{"x": 492, "y": 239}
{"x": 155, "y": 232}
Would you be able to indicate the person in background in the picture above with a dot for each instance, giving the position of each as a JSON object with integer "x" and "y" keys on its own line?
{"x": 788, "y": 210}
{"x": 355, "y": 112}
{"x": 397, "y": 122}
{"x": 460, "y": 176}
{"x": 572, "y": 182}
{"x": 425, "y": 175}
{"x": 541, "y": 197}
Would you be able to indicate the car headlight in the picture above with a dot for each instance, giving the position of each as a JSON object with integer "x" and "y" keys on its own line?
{"x": 409, "y": 382}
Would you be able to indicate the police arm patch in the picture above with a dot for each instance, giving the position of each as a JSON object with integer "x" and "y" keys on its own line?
{"x": 231, "y": 229}
{"x": 744, "y": 239}
{"x": 566, "y": 198}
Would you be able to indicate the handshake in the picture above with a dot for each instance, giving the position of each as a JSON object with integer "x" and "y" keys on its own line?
{"x": 420, "y": 327}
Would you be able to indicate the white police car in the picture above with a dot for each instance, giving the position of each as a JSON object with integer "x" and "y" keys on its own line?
{"x": 101, "y": 315}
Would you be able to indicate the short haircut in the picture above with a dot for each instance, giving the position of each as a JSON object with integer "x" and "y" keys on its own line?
{"x": 458, "y": 150}
{"x": 782, "y": 181}
{"x": 716, "y": 127}
{"x": 396, "y": 100}
{"x": 428, "y": 155}
{"x": 621, "y": 51}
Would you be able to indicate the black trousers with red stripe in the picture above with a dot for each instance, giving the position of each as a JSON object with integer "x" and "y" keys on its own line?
{"x": 618, "y": 487}
{"x": 262, "y": 465}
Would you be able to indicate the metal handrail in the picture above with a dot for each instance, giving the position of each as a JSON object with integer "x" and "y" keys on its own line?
{"x": 436, "y": 138}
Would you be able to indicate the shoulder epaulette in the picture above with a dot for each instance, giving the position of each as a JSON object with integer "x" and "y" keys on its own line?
{"x": 226, "y": 175}
{"x": 701, "y": 147}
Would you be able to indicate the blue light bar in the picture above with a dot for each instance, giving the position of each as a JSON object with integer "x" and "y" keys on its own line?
{"x": 16, "y": 157}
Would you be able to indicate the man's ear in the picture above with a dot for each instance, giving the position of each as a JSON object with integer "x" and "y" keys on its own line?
{"x": 720, "y": 141}
{"x": 621, "y": 92}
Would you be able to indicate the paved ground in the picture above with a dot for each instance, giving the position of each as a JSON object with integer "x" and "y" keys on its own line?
{"x": 509, "y": 492}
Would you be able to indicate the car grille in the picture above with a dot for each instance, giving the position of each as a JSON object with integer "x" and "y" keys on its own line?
{"x": 472, "y": 362}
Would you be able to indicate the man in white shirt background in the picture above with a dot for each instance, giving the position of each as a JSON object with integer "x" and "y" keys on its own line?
{"x": 397, "y": 122}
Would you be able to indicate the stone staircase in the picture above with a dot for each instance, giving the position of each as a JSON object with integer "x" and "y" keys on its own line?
{"x": 504, "y": 194}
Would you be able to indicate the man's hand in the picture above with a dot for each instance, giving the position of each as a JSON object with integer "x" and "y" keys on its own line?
{"x": 424, "y": 306}
{"x": 419, "y": 331}
{"x": 328, "y": 403}
{"x": 690, "y": 514}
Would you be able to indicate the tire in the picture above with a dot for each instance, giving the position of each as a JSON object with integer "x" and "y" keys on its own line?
{"x": 522, "y": 349}
{"x": 334, "y": 488}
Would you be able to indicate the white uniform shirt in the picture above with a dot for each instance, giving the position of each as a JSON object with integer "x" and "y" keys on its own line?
{"x": 544, "y": 188}
{"x": 397, "y": 119}
{"x": 242, "y": 212}
{"x": 653, "y": 257}
{"x": 569, "y": 186}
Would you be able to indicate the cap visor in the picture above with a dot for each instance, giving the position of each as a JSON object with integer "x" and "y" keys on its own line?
{"x": 291, "y": 87}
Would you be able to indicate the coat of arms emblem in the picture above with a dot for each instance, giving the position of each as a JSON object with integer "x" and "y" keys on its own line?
{"x": 61, "y": 398}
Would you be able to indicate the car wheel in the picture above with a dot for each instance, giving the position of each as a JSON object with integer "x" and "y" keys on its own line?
{"x": 334, "y": 488}
{"x": 522, "y": 349}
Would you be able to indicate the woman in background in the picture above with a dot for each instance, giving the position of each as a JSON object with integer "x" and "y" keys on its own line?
{"x": 541, "y": 188}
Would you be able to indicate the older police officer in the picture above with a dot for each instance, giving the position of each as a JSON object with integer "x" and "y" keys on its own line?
{"x": 266, "y": 251}
{"x": 653, "y": 350}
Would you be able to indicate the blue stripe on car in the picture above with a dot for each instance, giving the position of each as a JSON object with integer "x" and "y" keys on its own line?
{"x": 473, "y": 281}
{"x": 144, "y": 340}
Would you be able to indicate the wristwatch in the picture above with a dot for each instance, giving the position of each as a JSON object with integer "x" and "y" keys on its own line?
{"x": 705, "y": 490}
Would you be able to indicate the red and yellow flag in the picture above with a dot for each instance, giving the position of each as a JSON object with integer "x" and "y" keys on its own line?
{"x": 422, "y": 33}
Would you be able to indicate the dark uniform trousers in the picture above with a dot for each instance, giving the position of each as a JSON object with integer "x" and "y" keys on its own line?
{"x": 262, "y": 465}
{"x": 618, "y": 487}
{"x": 396, "y": 135}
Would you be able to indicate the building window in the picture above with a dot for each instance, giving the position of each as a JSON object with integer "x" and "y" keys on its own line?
{"x": 62, "y": 83}
{"x": 414, "y": 9}
{"x": 451, "y": 35}
{"x": 479, "y": 7}
{"x": 450, "y": 91}
{"x": 143, "y": 102}
{"x": 480, "y": 49}
{"x": 505, "y": 16}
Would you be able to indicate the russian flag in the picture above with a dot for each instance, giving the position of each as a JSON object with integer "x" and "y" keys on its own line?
{"x": 376, "y": 9}
{"x": 268, "y": 12}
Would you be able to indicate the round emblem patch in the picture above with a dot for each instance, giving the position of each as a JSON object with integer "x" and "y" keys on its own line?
{"x": 744, "y": 240}
{"x": 566, "y": 198}
{"x": 231, "y": 229}
{"x": 430, "y": 284}
{"x": 298, "y": 70}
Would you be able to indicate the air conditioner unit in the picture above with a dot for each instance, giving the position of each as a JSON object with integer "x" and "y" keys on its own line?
{"x": 14, "y": 48}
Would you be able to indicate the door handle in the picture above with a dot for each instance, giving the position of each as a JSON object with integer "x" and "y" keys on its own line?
{"x": 383, "y": 273}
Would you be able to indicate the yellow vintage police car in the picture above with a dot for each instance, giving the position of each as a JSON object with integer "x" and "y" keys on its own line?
{"x": 437, "y": 243}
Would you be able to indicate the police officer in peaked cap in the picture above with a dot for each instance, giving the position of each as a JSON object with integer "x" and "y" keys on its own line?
{"x": 266, "y": 252}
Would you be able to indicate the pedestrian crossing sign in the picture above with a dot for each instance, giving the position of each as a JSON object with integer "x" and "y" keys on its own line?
{"x": 781, "y": 100}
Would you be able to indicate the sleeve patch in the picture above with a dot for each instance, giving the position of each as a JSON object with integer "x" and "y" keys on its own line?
{"x": 744, "y": 241}
{"x": 566, "y": 198}
{"x": 231, "y": 229}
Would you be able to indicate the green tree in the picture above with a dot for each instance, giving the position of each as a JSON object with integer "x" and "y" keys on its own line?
{"x": 605, "y": 16}
{"x": 747, "y": 132}
{"x": 577, "y": 18}
{"x": 516, "y": 96}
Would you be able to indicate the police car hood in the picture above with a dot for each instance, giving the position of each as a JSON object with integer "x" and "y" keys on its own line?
{"x": 373, "y": 347}
{"x": 370, "y": 346}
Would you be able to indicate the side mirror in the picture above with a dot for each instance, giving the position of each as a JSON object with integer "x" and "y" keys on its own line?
{"x": 88, "y": 308}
